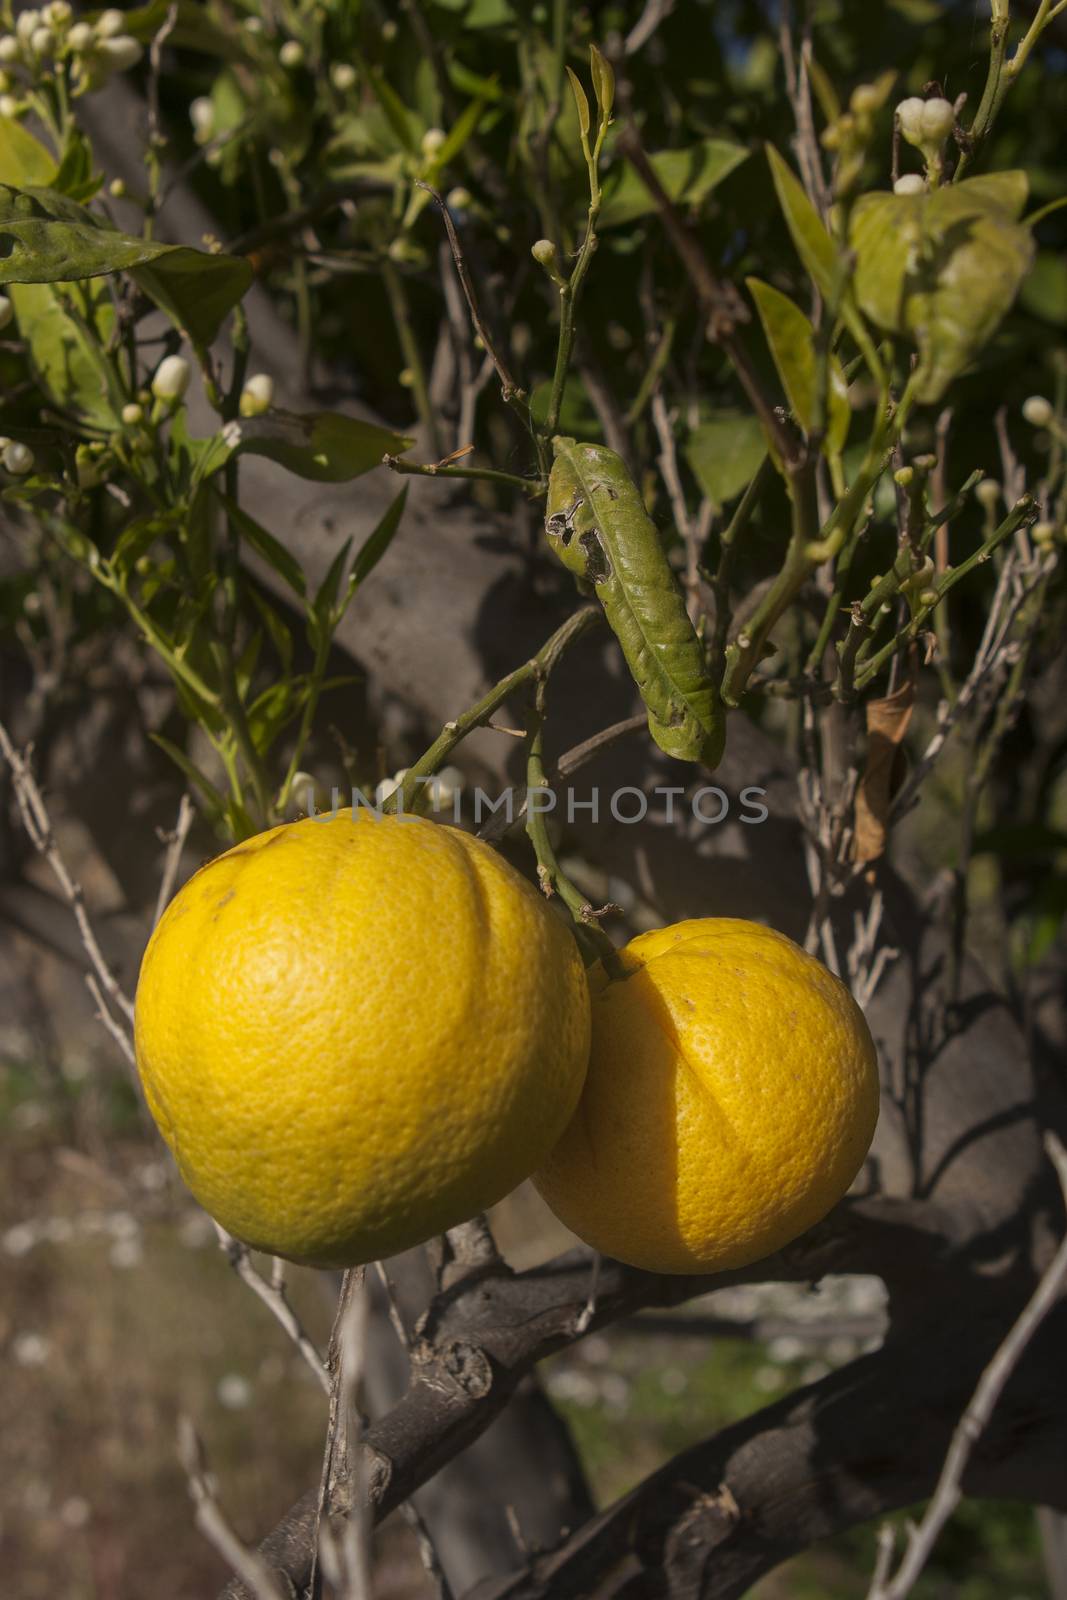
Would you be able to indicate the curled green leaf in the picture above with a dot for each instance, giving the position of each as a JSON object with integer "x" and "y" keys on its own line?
{"x": 597, "y": 525}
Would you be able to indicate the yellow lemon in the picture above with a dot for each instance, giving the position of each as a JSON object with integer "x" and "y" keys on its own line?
{"x": 354, "y": 1033}
{"x": 731, "y": 1097}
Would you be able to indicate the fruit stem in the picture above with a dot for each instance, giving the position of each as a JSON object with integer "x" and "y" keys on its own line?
{"x": 594, "y": 942}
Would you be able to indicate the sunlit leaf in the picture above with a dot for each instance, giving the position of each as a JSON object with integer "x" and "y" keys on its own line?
{"x": 322, "y": 445}
{"x": 792, "y": 344}
{"x": 813, "y": 244}
{"x": 942, "y": 268}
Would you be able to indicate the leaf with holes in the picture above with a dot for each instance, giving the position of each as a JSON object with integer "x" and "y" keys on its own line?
{"x": 597, "y": 525}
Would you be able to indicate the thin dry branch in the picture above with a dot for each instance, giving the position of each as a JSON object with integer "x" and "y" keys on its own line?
{"x": 976, "y": 1418}
{"x": 38, "y": 826}
{"x": 175, "y": 843}
{"x": 263, "y": 1581}
{"x": 274, "y": 1297}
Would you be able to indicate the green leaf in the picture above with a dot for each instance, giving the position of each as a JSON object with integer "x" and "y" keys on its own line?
{"x": 396, "y": 112}
{"x": 46, "y": 238}
{"x": 64, "y": 356}
{"x": 52, "y": 239}
{"x": 472, "y": 83}
{"x": 216, "y": 805}
{"x": 597, "y": 524}
{"x": 245, "y": 665}
{"x": 580, "y": 101}
{"x": 1044, "y": 290}
{"x": 457, "y": 137}
{"x": 280, "y": 635}
{"x": 813, "y": 244}
{"x": 75, "y": 177}
{"x": 326, "y": 598}
{"x": 942, "y": 268}
{"x": 266, "y": 545}
{"x": 196, "y": 290}
{"x": 603, "y": 81}
{"x": 135, "y": 540}
{"x": 725, "y": 453}
{"x": 23, "y": 159}
{"x": 377, "y": 542}
{"x": 792, "y": 343}
{"x": 687, "y": 177}
{"x": 324, "y": 446}
{"x": 269, "y": 713}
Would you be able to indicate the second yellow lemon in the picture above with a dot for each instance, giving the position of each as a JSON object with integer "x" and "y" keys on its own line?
{"x": 355, "y": 1033}
{"x": 731, "y": 1097}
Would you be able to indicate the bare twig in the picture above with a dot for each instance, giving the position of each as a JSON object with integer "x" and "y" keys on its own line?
{"x": 39, "y": 828}
{"x": 175, "y": 842}
{"x": 427, "y": 1549}
{"x": 654, "y": 13}
{"x": 262, "y": 1581}
{"x": 119, "y": 1031}
{"x": 274, "y": 1297}
{"x": 798, "y": 88}
{"x": 510, "y": 390}
{"x": 395, "y": 1315}
{"x": 668, "y": 465}
{"x": 975, "y": 1419}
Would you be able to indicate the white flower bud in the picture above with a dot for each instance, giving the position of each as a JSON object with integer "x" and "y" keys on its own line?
{"x": 432, "y": 140}
{"x": 866, "y": 99}
{"x": 7, "y": 311}
{"x": 1038, "y": 411}
{"x": 26, "y": 24}
{"x": 458, "y": 199}
{"x": 987, "y": 493}
{"x": 929, "y": 597}
{"x": 58, "y": 14}
{"x": 257, "y": 396}
{"x": 10, "y": 49}
{"x": 291, "y": 53}
{"x": 120, "y": 52}
{"x": 202, "y": 117}
{"x": 132, "y": 414}
{"x": 1044, "y": 532}
{"x": 171, "y": 379}
{"x": 388, "y": 30}
{"x": 343, "y": 76}
{"x": 42, "y": 41}
{"x": 18, "y": 459}
{"x": 910, "y": 119}
{"x": 9, "y": 106}
{"x": 80, "y": 38}
{"x": 544, "y": 252}
{"x": 109, "y": 23}
{"x": 937, "y": 120}
{"x": 117, "y": 188}
{"x": 253, "y": 25}
{"x": 910, "y": 183}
